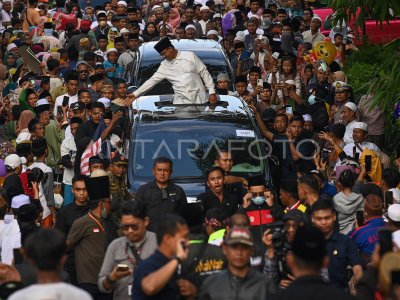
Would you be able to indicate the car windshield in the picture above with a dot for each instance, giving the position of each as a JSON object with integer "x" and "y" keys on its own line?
{"x": 192, "y": 145}
{"x": 214, "y": 61}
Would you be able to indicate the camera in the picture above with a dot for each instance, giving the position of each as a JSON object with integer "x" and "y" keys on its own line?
{"x": 277, "y": 229}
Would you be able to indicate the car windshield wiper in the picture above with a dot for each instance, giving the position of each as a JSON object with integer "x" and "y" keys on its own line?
{"x": 185, "y": 178}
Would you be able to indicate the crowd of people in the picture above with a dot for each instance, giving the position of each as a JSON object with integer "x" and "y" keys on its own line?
{"x": 70, "y": 227}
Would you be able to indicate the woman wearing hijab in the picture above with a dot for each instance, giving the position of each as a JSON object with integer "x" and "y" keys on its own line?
{"x": 24, "y": 119}
{"x": 28, "y": 99}
{"x": 174, "y": 19}
{"x": 150, "y": 32}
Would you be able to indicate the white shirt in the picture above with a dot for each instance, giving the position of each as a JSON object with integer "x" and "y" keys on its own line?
{"x": 259, "y": 31}
{"x": 68, "y": 147}
{"x": 203, "y": 25}
{"x": 309, "y": 38}
{"x": 10, "y": 238}
{"x": 348, "y": 149}
{"x": 348, "y": 135}
{"x": 59, "y": 101}
{"x": 50, "y": 291}
{"x": 186, "y": 73}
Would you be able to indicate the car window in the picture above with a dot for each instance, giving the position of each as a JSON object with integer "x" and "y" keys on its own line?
{"x": 193, "y": 147}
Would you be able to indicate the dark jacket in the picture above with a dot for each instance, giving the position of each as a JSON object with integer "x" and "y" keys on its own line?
{"x": 312, "y": 288}
{"x": 228, "y": 205}
{"x": 224, "y": 286}
{"x": 151, "y": 200}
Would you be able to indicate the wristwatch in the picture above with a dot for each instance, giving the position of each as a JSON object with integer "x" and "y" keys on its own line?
{"x": 178, "y": 259}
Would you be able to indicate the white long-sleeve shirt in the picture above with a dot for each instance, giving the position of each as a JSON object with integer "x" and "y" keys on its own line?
{"x": 186, "y": 73}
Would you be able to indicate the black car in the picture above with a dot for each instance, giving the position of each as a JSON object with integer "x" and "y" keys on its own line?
{"x": 191, "y": 136}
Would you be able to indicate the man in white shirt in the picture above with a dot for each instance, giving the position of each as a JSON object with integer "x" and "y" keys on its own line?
{"x": 185, "y": 71}
{"x": 349, "y": 115}
{"x": 46, "y": 248}
{"x": 6, "y": 15}
{"x": 129, "y": 59}
{"x": 71, "y": 83}
{"x": 313, "y": 35}
{"x": 360, "y": 135}
{"x": 205, "y": 18}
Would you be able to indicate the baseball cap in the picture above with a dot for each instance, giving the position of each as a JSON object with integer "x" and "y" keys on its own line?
{"x": 19, "y": 200}
{"x": 239, "y": 236}
{"x": 13, "y": 161}
{"x": 222, "y": 77}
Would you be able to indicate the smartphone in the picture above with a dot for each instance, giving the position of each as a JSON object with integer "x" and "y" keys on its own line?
{"x": 59, "y": 110}
{"x": 325, "y": 155}
{"x": 122, "y": 267}
{"x": 260, "y": 82}
{"x": 360, "y": 218}
{"x": 385, "y": 240}
{"x": 65, "y": 101}
{"x": 323, "y": 65}
{"x": 289, "y": 110}
{"x": 356, "y": 156}
{"x": 245, "y": 54}
{"x": 368, "y": 163}
{"x": 30, "y": 178}
{"x": 388, "y": 198}
{"x": 395, "y": 277}
{"x": 32, "y": 81}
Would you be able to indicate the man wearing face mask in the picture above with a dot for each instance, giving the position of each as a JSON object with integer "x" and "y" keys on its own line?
{"x": 260, "y": 207}
{"x": 88, "y": 235}
{"x": 101, "y": 27}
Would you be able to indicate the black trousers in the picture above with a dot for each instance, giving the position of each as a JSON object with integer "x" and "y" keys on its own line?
{"x": 94, "y": 291}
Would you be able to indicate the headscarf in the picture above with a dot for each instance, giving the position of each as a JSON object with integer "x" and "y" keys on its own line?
{"x": 148, "y": 37}
{"x": 23, "y": 99}
{"x": 174, "y": 22}
{"x": 340, "y": 76}
{"x": 287, "y": 43}
{"x": 43, "y": 56}
{"x": 24, "y": 119}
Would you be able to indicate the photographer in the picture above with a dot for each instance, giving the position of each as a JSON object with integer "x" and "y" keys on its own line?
{"x": 278, "y": 239}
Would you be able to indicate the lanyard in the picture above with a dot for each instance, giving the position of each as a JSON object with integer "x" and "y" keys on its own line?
{"x": 97, "y": 222}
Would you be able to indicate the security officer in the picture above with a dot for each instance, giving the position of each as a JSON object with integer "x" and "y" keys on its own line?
{"x": 160, "y": 196}
{"x": 117, "y": 174}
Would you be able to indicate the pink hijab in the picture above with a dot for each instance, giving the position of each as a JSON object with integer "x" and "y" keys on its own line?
{"x": 173, "y": 23}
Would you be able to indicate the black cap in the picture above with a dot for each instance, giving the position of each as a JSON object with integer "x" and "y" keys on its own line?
{"x": 95, "y": 160}
{"x": 295, "y": 215}
{"x": 119, "y": 39}
{"x": 162, "y": 44}
{"x": 266, "y": 85}
{"x": 133, "y": 36}
{"x": 268, "y": 115}
{"x": 101, "y": 15}
{"x": 98, "y": 188}
{"x": 98, "y": 65}
{"x": 118, "y": 159}
{"x": 240, "y": 79}
{"x": 309, "y": 244}
{"x": 256, "y": 181}
{"x": 77, "y": 106}
{"x": 96, "y": 77}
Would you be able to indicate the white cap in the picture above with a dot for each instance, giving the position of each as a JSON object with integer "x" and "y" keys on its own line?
{"x": 290, "y": 81}
{"x": 13, "y": 161}
{"x": 394, "y": 212}
{"x": 124, "y": 30}
{"x": 238, "y": 39}
{"x": 122, "y": 3}
{"x": 156, "y": 7}
{"x": 205, "y": 7}
{"x": 316, "y": 17}
{"x": 210, "y": 32}
{"x": 42, "y": 102}
{"x": 190, "y": 26}
{"x": 11, "y": 46}
{"x": 111, "y": 50}
{"x": 217, "y": 16}
{"x": 361, "y": 125}
{"x": 275, "y": 55}
{"x": 20, "y": 200}
{"x": 23, "y": 137}
{"x": 105, "y": 101}
{"x": 307, "y": 118}
{"x": 101, "y": 12}
{"x": 352, "y": 106}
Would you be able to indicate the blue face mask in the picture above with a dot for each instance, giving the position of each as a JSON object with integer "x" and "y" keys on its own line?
{"x": 48, "y": 32}
{"x": 258, "y": 200}
{"x": 311, "y": 100}
{"x": 165, "y": 4}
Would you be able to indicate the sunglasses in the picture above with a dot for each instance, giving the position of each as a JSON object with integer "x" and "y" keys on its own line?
{"x": 126, "y": 227}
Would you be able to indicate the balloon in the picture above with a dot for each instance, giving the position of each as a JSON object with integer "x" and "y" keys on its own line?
{"x": 325, "y": 51}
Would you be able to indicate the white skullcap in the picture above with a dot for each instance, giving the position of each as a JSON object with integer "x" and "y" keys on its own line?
{"x": 210, "y": 32}
{"x": 396, "y": 194}
{"x": 111, "y": 50}
{"x": 124, "y": 30}
{"x": 394, "y": 212}
{"x": 42, "y": 102}
{"x": 361, "y": 125}
{"x": 19, "y": 200}
{"x": 156, "y": 7}
{"x": 316, "y": 17}
{"x": 13, "y": 161}
{"x": 239, "y": 39}
{"x": 217, "y": 16}
{"x": 23, "y": 137}
{"x": 351, "y": 106}
{"x": 190, "y": 26}
{"x": 105, "y": 101}
{"x": 11, "y": 46}
{"x": 275, "y": 55}
{"x": 205, "y": 7}
{"x": 307, "y": 118}
{"x": 122, "y": 3}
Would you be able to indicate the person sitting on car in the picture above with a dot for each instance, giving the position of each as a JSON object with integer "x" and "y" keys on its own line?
{"x": 185, "y": 71}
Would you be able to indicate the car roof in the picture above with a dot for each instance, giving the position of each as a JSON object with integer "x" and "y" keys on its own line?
{"x": 162, "y": 105}
{"x": 147, "y": 49}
